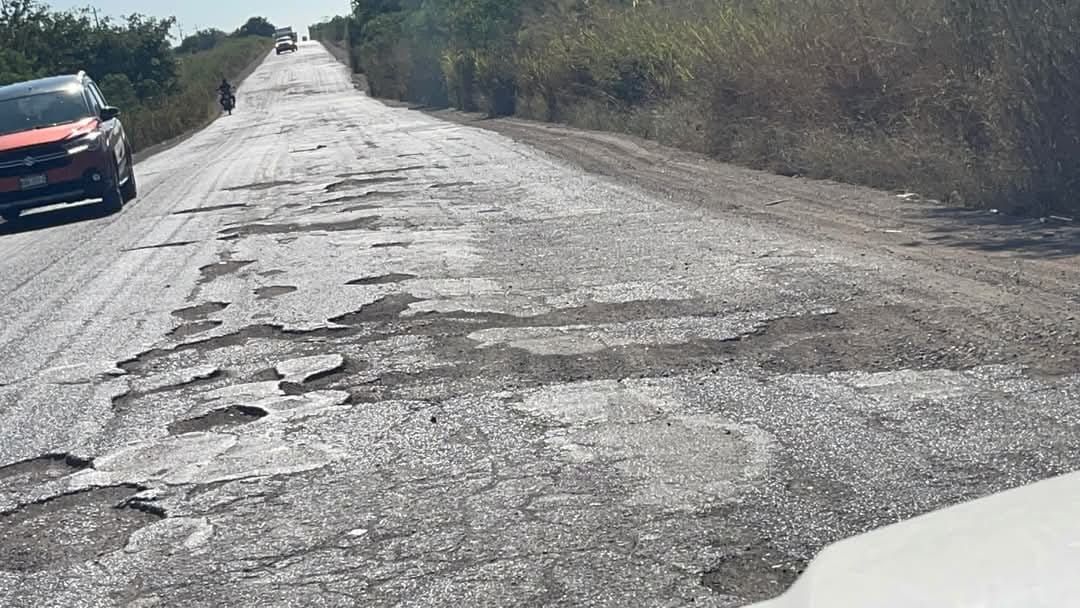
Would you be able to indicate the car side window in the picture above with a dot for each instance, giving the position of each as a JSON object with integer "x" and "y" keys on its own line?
{"x": 95, "y": 94}
{"x": 90, "y": 101}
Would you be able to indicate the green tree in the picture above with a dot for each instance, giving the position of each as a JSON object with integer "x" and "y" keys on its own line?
{"x": 202, "y": 40}
{"x": 64, "y": 42}
{"x": 257, "y": 26}
{"x": 118, "y": 90}
{"x": 17, "y": 22}
{"x": 14, "y": 67}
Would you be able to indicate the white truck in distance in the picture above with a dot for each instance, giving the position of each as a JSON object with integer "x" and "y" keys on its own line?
{"x": 283, "y": 32}
{"x": 285, "y": 40}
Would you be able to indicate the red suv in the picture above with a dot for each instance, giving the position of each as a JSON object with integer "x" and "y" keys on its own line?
{"x": 61, "y": 143}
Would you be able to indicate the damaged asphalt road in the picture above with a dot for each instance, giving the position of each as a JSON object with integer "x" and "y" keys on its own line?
{"x": 424, "y": 364}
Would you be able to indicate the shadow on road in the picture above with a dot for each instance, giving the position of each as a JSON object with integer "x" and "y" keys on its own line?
{"x": 990, "y": 232}
{"x": 54, "y": 218}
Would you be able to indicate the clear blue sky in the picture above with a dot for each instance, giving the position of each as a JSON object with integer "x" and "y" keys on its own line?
{"x": 222, "y": 14}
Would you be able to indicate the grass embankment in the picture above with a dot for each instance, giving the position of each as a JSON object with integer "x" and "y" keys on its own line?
{"x": 194, "y": 103}
{"x": 969, "y": 102}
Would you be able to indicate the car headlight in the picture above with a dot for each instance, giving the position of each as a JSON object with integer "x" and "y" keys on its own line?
{"x": 85, "y": 143}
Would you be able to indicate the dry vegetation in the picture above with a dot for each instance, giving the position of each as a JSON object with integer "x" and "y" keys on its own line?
{"x": 970, "y": 101}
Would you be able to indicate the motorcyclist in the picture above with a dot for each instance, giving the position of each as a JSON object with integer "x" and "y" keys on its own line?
{"x": 225, "y": 88}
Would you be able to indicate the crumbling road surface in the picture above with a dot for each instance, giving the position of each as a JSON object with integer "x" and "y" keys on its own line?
{"x": 343, "y": 354}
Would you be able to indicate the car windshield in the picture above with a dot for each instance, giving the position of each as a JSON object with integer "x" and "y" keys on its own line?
{"x": 41, "y": 110}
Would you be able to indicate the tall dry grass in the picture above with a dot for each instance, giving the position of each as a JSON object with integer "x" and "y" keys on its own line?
{"x": 972, "y": 101}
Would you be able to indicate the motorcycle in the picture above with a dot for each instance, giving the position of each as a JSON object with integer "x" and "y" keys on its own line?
{"x": 228, "y": 102}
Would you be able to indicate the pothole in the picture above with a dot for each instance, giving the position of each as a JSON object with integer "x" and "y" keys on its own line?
{"x": 273, "y": 291}
{"x": 40, "y": 470}
{"x": 754, "y": 573}
{"x": 356, "y": 208}
{"x": 210, "y": 209}
{"x": 211, "y": 272}
{"x": 367, "y": 196}
{"x": 361, "y": 223}
{"x": 383, "y": 171}
{"x": 383, "y": 309}
{"x": 261, "y": 185}
{"x": 70, "y": 529}
{"x": 172, "y": 382}
{"x": 229, "y": 417}
{"x": 268, "y": 374}
{"x": 309, "y": 369}
{"x": 151, "y": 361}
{"x": 193, "y": 329}
{"x": 382, "y": 279}
{"x": 474, "y": 368}
{"x": 346, "y": 184}
{"x": 161, "y": 246}
{"x": 200, "y": 311}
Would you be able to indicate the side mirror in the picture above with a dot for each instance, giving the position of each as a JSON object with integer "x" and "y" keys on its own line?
{"x": 109, "y": 113}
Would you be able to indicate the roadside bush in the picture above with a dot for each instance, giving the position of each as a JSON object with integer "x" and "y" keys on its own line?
{"x": 622, "y": 58}
{"x": 14, "y": 66}
{"x": 119, "y": 90}
{"x": 384, "y": 58}
{"x": 202, "y": 40}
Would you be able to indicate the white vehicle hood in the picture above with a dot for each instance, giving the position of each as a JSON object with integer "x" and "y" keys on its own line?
{"x": 1015, "y": 549}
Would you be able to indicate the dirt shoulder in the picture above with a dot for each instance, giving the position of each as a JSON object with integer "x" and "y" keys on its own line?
{"x": 1018, "y": 279}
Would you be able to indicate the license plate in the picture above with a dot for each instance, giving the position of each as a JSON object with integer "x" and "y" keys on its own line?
{"x": 33, "y": 181}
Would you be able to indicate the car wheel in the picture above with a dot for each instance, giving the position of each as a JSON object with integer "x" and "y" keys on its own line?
{"x": 113, "y": 201}
{"x": 130, "y": 189}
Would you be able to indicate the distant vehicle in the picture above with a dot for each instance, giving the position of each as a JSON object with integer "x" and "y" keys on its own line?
{"x": 285, "y": 44}
{"x": 226, "y": 96}
{"x": 60, "y": 142}
{"x": 283, "y": 32}
{"x": 1014, "y": 549}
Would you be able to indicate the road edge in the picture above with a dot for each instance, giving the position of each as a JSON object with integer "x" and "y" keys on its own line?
{"x": 359, "y": 80}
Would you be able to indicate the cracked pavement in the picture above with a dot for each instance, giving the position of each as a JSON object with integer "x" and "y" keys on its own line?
{"x": 345, "y": 354}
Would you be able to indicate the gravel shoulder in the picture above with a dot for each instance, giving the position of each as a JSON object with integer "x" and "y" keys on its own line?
{"x": 1016, "y": 280}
